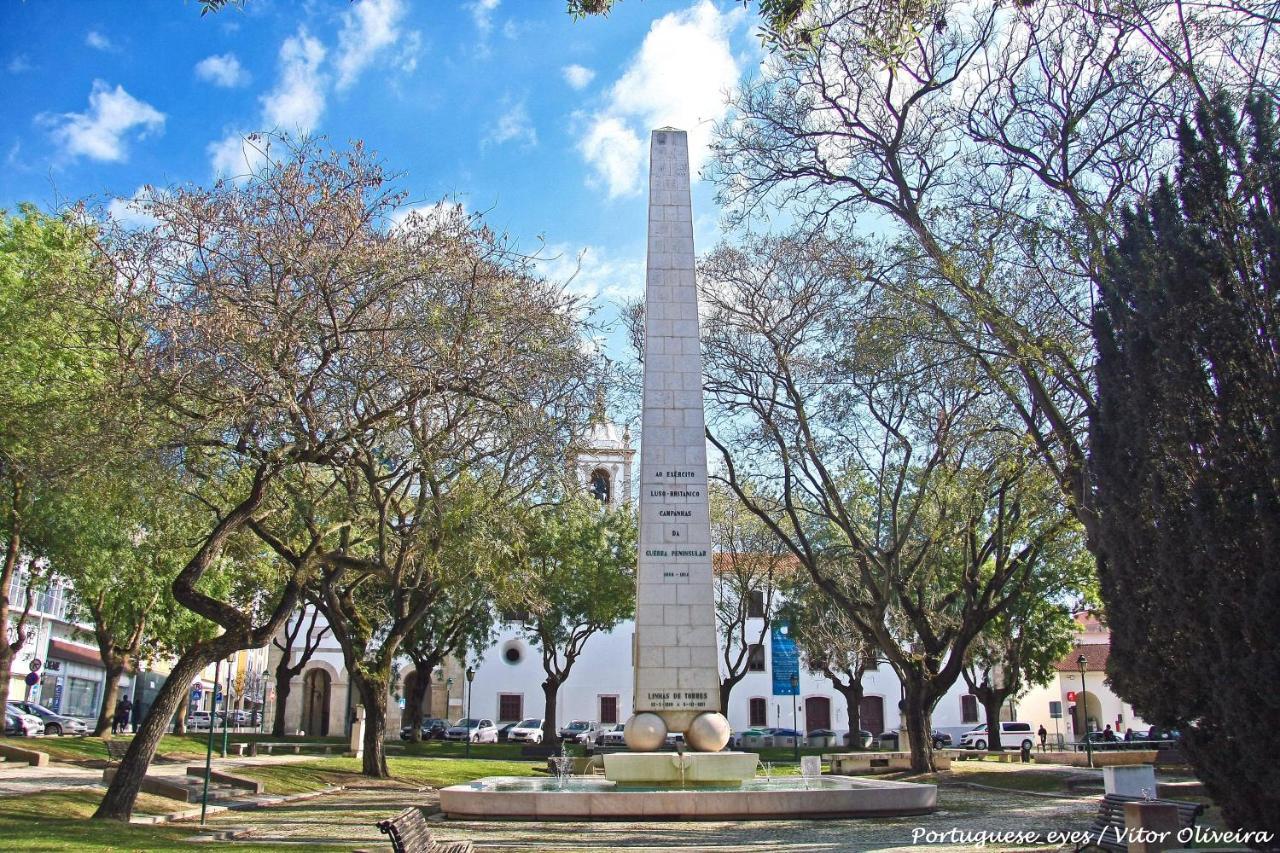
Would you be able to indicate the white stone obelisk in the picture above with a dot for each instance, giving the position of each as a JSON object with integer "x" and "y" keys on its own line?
{"x": 677, "y": 681}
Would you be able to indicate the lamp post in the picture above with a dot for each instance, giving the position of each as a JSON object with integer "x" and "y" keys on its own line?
{"x": 795, "y": 691}
{"x": 471, "y": 676}
{"x": 1084, "y": 695}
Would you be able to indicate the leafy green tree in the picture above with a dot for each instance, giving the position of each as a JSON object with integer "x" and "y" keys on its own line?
{"x": 460, "y": 623}
{"x": 1185, "y": 455}
{"x": 576, "y": 566}
{"x": 1017, "y": 650}
{"x": 55, "y": 355}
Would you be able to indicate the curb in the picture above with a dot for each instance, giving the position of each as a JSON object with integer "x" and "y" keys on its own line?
{"x": 257, "y": 802}
{"x": 1019, "y": 791}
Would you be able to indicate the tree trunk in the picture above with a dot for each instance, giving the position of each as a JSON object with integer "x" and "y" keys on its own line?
{"x": 550, "y": 732}
{"x": 284, "y": 683}
{"x": 991, "y": 702}
{"x": 413, "y": 702}
{"x": 13, "y": 549}
{"x": 373, "y": 693}
{"x": 919, "y": 727}
{"x": 852, "y": 693}
{"x": 726, "y": 688}
{"x": 115, "y": 668}
{"x": 180, "y": 718}
{"x": 118, "y": 802}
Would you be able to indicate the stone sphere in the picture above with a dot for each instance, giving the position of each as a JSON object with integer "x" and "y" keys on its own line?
{"x": 708, "y": 732}
{"x": 645, "y": 732}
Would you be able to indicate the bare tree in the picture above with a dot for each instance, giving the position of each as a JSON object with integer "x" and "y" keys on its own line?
{"x": 750, "y": 565}
{"x": 888, "y": 466}
{"x": 290, "y": 666}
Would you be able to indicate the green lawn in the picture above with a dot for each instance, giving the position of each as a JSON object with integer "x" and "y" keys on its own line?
{"x": 92, "y": 748}
{"x": 59, "y": 821}
{"x": 435, "y": 772}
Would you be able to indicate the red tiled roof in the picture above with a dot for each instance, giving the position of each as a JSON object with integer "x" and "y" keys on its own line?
{"x": 1095, "y": 656}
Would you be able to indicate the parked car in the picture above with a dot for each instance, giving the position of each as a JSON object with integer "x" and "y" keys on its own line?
{"x": 198, "y": 720}
{"x": 612, "y": 736}
{"x": 941, "y": 740}
{"x": 433, "y": 727}
{"x": 33, "y": 724}
{"x": 580, "y": 731}
{"x": 14, "y": 724}
{"x": 504, "y": 731}
{"x": 526, "y": 731}
{"x": 54, "y": 723}
{"x": 474, "y": 730}
{"x": 1012, "y": 734}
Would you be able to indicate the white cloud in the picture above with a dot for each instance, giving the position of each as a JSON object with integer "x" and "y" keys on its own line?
{"x": 482, "y": 13}
{"x": 577, "y": 76}
{"x": 368, "y": 27}
{"x": 222, "y": 69}
{"x": 298, "y": 99}
{"x": 99, "y": 132}
{"x": 589, "y": 271}
{"x": 18, "y": 64}
{"x": 680, "y": 78}
{"x": 98, "y": 41}
{"x": 615, "y": 153}
{"x": 236, "y": 155}
{"x": 129, "y": 211}
{"x": 514, "y": 126}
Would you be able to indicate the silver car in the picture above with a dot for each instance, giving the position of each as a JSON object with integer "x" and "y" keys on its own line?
{"x": 54, "y": 723}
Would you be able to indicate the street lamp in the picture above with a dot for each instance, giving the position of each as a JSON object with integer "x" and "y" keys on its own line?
{"x": 471, "y": 676}
{"x": 1084, "y": 694}
{"x": 795, "y": 691}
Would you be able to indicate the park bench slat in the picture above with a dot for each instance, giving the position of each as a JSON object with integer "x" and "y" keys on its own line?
{"x": 116, "y": 749}
{"x": 409, "y": 833}
{"x": 1108, "y": 826}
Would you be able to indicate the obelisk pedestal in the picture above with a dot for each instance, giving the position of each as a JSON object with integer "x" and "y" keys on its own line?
{"x": 677, "y": 679}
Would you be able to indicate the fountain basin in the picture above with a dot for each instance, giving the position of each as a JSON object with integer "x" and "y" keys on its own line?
{"x": 679, "y": 768}
{"x": 523, "y": 798}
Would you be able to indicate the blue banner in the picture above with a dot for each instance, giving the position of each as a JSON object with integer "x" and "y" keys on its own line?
{"x": 786, "y": 662}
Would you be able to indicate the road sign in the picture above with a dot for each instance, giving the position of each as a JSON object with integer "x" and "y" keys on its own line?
{"x": 35, "y": 664}
{"x": 196, "y": 692}
{"x": 1071, "y": 696}
{"x": 32, "y": 679}
{"x": 1055, "y": 710}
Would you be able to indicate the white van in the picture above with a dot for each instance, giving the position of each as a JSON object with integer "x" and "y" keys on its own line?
{"x": 1013, "y": 735}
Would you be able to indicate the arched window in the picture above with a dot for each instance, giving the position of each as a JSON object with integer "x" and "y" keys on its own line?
{"x": 600, "y": 486}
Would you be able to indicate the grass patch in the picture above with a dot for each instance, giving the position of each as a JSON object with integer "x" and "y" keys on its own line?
{"x": 59, "y": 821}
{"x": 1037, "y": 781}
{"x": 177, "y": 747}
{"x": 322, "y": 773}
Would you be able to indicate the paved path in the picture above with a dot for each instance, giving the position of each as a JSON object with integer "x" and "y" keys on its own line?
{"x": 348, "y": 818}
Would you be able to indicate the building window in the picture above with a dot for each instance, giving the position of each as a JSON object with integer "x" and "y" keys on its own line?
{"x": 755, "y": 604}
{"x": 600, "y": 487}
{"x": 80, "y": 699}
{"x": 755, "y": 658}
{"x": 968, "y": 709}
{"x": 759, "y": 710}
{"x": 510, "y": 707}
{"x": 609, "y": 710}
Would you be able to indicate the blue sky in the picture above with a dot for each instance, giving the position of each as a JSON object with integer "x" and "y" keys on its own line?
{"x": 510, "y": 106}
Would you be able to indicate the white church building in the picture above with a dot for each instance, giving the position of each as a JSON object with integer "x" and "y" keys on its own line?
{"x": 507, "y": 685}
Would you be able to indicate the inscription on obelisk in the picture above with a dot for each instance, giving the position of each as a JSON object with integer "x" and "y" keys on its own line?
{"x": 676, "y": 673}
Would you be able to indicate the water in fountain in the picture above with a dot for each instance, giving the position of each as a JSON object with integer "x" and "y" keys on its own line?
{"x": 564, "y": 766}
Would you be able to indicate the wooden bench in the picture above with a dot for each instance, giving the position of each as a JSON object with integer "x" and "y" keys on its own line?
{"x": 1108, "y": 826}
{"x": 116, "y": 750}
{"x": 409, "y": 833}
{"x": 297, "y": 747}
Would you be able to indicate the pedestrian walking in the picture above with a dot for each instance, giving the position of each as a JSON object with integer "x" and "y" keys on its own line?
{"x": 1044, "y": 736}
{"x": 120, "y": 716}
